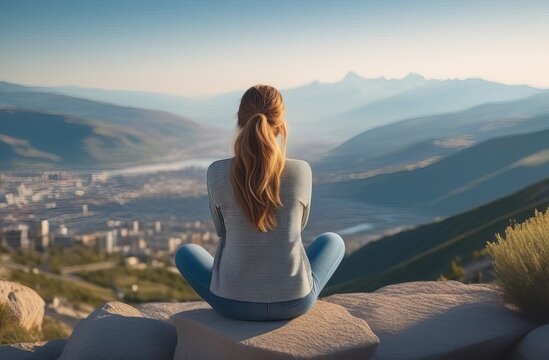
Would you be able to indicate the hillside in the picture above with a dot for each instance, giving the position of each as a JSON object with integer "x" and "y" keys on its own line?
{"x": 424, "y": 253}
{"x": 463, "y": 180}
{"x": 95, "y": 133}
{"x": 395, "y": 143}
{"x": 29, "y": 138}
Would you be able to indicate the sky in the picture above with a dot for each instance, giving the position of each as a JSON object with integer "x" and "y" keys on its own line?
{"x": 206, "y": 47}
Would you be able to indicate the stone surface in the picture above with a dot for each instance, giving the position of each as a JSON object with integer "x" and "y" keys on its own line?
{"x": 534, "y": 346}
{"x": 328, "y": 331}
{"x": 119, "y": 331}
{"x": 438, "y": 320}
{"x": 26, "y": 307}
{"x": 164, "y": 310}
{"x": 50, "y": 350}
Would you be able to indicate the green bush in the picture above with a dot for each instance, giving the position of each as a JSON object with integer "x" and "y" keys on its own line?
{"x": 521, "y": 264}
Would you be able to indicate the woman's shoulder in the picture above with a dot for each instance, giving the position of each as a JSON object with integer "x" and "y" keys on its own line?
{"x": 218, "y": 167}
{"x": 220, "y": 163}
{"x": 298, "y": 167}
{"x": 297, "y": 163}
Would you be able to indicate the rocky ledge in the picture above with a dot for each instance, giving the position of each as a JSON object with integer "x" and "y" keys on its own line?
{"x": 418, "y": 320}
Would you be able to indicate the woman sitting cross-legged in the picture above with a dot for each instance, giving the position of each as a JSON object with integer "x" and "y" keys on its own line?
{"x": 260, "y": 203}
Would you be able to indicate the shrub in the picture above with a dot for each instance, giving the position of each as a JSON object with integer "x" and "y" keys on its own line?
{"x": 54, "y": 329}
{"x": 11, "y": 332}
{"x": 521, "y": 264}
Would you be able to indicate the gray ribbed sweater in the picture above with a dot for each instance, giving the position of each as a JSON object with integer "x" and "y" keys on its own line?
{"x": 255, "y": 266}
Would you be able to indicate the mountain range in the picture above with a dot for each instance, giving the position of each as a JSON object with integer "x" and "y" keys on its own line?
{"x": 417, "y": 139}
{"x": 320, "y": 116}
{"x": 459, "y": 181}
{"x": 331, "y": 112}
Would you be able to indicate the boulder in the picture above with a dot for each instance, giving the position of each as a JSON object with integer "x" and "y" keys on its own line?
{"x": 438, "y": 320}
{"x": 119, "y": 331}
{"x": 534, "y": 346}
{"x": 328, "y": 331}
{"x": 25, "y": 306}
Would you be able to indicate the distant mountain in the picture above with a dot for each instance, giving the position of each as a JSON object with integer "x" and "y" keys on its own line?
{"x": 459, "y": 181}
{"x": 161, "y": 135}
{"x": 417, "y": 139}
{"x": 434, "y": 97}
{"x": 30, "y": 140}
{"x": 331, "y": 112}
{"x": 425, "y": 252}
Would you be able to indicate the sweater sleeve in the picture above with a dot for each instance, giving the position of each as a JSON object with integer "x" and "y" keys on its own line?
{"x": 215, "y": 211}
{"x": 308, "y": 191}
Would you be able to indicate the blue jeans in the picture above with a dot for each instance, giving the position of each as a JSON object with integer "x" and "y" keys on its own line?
{"x": 324, "y": 254}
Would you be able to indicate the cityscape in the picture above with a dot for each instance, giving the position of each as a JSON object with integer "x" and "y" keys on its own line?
{"x": 57, "y": 210}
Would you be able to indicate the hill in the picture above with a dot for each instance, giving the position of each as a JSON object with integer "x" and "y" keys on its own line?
{"x": 109, "y": 134}
{"x": 34, "y": 139}
{"x": 424, "y": 253}
{"x": 459, "y": 181}
{"x": 421, "y": 138}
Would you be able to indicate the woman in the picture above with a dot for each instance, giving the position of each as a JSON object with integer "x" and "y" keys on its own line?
{"x": 260, "y": 203}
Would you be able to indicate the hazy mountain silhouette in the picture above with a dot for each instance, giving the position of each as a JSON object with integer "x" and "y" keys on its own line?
{"x": 337, "y": 110}
{"x": 425, "y": 252}
{"x": 459, "y": 181}
{"x": 433, "y": 97}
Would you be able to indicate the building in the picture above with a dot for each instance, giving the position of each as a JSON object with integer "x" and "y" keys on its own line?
{"x": 42, "y": 241}
{"x": 17, "y": 238}
{"x": 107, "y": 242}
{"x": 63, "y": 240}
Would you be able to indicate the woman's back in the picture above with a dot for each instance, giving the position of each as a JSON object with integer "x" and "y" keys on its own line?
{"x": 260, "y": 203}
{"x": 256, "y": 266}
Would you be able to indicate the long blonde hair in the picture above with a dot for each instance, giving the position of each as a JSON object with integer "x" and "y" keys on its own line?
{"x": 259, "y": 159}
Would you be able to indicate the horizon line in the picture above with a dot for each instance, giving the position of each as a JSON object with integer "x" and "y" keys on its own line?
{"x": 349, "y": 73}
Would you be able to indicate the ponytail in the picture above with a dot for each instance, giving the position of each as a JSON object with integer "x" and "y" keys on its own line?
{"x": 258, "y": 165}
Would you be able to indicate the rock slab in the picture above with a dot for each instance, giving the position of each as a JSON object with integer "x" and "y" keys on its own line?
{"x": 50, "y": 350}
{"x": 25, "y": 306}
{"x": 328, "y": 331}
{"x": 438, "y": 320}
{"x": 119, "y": 331}
{"x": 534, "y": 346}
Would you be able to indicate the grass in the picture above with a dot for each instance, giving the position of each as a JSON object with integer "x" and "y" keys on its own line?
{"x": 49, "y": 287}
{"x": 154, "y": 284}
{"x": 12, "y": 333}
{"x": 521, "y": 259}
{"x": 60, "y": 257}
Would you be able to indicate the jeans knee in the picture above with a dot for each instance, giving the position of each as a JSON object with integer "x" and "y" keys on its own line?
{"x": 333, "y": 240}
{"x": 183, "y": 254}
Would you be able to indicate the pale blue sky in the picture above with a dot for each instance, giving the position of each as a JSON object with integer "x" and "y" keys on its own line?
{"x": 200, "y": 47}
